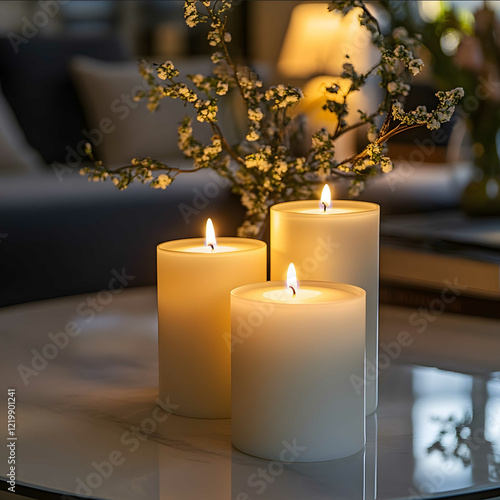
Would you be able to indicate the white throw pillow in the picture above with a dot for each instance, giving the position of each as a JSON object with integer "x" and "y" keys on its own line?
{"x": 121, "y": 128}
{"x": 16, "y": 155}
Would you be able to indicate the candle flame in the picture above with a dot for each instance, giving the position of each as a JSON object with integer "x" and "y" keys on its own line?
{"x": 210, "y": 240}
{"x": 291, "y": 279}
{"x": 326, "y": 198}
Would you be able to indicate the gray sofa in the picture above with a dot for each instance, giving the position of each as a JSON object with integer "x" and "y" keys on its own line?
{"x": 66, "y": 238}
{"x": 60, "y": 234}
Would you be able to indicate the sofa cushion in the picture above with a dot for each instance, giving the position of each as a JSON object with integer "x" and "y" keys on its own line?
{"x": 37, "y": 85}
{"x": 122, "y": 128}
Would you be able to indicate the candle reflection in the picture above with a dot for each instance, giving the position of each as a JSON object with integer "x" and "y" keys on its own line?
{"x": 492, "y": 432}
{"x": 353, "y": 477}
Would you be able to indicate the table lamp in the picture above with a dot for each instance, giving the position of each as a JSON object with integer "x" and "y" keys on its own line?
{"x": 314, "y": 49}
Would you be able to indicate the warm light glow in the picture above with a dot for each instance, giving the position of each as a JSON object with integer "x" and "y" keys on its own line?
{"x": 210, "y": 240}
{"x": 326, "y": 198}
{"x": 315, "y": 95}
{"x": 291, "y": 279}
{"x": 449, "y": 41}
{"x": 430, "y": 10}
{"x": 316, "y": 42}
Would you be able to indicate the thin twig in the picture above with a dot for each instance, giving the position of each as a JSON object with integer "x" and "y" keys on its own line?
{"x": 217, "y": 130}
{"x": 227, "y": 56}
{"x": 128, "y": 168}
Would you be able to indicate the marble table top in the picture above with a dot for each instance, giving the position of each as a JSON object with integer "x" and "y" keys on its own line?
{"x": 87, "y": 422}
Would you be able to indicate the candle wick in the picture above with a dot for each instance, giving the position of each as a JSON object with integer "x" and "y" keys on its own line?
{"x": 324, "y": 206}
{"x": 211, "y": 245}
{"x": 293, "y": 290}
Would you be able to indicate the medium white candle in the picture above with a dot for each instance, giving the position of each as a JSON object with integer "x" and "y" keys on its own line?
{"x": 294, "y": 352}
{"x": 195, "y": 278}
{"x": 333, "y": 241}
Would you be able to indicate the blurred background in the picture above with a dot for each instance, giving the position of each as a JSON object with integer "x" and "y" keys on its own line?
{"x": 68, "y": 73}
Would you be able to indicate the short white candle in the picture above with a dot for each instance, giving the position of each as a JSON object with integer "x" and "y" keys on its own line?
{"x": 195, "y": 278}
{"x": 333, "y": 241}
{"x": 293, "y": 359}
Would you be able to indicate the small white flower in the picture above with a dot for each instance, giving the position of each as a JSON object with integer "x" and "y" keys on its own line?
{"x": 392, "y": 87}
{"x": 401, "y": 52}
{"x": 386, "y": 165}
{"x": 299, "y": 164}
{"x": 433, "y": 124}
{"x": 162, "y": 74}
{"x": 400, "y": 33}
{"x": 252, "y": 136}
{"x": 282, "y": 167}
{"x": 222, "y": 88}
{"x": 255, "y": 114}
{"x": 217, "y": 57}
{"x": 416, "y": 66}
{"x": 356, "y": 189}
{"x": 162, "y": 181}
{"x": 364, "y": 164}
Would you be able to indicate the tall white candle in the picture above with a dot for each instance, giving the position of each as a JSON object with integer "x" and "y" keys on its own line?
{"x": 195, "y": 278}
{"x": 333, "y": 241}
{"x": 293, "y": 359}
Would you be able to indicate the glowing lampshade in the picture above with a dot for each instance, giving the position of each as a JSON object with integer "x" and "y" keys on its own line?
{"x": 317, "y": 41}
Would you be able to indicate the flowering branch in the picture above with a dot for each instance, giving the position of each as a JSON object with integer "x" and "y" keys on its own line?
{"x": 264, "y": 168}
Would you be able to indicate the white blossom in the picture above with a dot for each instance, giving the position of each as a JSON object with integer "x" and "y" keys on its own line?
{"x": 252, "y": 136}
{"x": 191, "y": 14}
{"x": 255, "y": 114}
{"x": 263, "y": 168}
{"x": 222, "y": 88}
{"x": 415, "y": 66}
{"x": 161, "y": 182}
{"x": 386, "y": 165}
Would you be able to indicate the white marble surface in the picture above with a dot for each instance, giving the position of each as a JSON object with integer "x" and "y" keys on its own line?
{"x": 95, "y": 402}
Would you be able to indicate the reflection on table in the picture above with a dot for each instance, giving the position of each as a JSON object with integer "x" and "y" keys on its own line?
{"x": 89, "y": 422}
{"x": 456, "y": 440}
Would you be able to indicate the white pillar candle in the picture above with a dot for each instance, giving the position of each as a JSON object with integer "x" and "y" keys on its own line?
{"x": 195, "y": 278}
{"x": 337, "y": 242}
{"x": 292, "y": 361}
